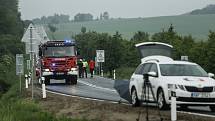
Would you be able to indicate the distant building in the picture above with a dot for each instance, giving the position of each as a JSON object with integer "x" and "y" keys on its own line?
{"x": 83, "y": 17}
{"x": 104, "y": 16}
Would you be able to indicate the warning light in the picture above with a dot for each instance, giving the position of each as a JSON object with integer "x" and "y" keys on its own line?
{"x": 68, "y": 41}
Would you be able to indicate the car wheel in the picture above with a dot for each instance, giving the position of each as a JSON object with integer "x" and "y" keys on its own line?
{"x": 161, "y": 100}
{"x": 212, "y": 108}
{"x": 134, "y": 99}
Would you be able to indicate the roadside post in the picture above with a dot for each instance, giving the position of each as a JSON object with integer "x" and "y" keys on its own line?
{"x": 114, "y": 74}
{"x": 29, "y": 78}
{"x": 43, "y": 87}
{"x": 26, "y": 81}
{"x": 19, "y": 69}
{"x": 102, "y": 74}
{"x": 100, "y": 58}
{"x": 173, "y": 104}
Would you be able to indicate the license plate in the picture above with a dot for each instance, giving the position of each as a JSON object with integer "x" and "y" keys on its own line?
{"x": 200, "y": 95}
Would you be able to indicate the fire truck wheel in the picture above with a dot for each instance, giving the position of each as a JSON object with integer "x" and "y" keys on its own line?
{"x": 47, "y": 81}
{"x": 68, "y": 80}
{"x": 74, "y": 80}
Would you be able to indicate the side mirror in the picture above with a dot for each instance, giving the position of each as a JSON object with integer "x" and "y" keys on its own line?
{"x": 211, "y": 75}
{"x": 40, "y": 52}
{"x": 153, "y": 74}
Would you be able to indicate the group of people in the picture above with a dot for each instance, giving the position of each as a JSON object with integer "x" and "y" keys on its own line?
{"x": 83, "y": 65}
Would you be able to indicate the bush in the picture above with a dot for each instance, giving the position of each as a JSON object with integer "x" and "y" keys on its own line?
{"x": 124, "y": 72}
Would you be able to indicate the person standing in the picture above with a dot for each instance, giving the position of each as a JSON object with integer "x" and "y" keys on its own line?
{"x": 85, "y": 65}
{"x": 80, "y": 68}
{"x": 92, "y": 66}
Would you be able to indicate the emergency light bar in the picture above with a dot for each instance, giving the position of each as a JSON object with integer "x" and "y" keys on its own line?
{"x": 61, "y": 43}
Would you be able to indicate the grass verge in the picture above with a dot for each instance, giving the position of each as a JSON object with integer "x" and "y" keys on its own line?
{"x": 14, "y": 107}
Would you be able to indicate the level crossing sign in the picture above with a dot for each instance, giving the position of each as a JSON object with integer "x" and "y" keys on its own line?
{"x": 100, "y": 55}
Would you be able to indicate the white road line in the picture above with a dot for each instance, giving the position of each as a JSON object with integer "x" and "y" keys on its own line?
{"x": 94, "y": 86}
{"x": 197, "y": 114}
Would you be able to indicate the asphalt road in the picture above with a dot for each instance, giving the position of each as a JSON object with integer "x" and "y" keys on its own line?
{"x": 107, "y": 89}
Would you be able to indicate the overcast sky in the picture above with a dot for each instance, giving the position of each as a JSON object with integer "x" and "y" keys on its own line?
{"x": 117, "y": 8}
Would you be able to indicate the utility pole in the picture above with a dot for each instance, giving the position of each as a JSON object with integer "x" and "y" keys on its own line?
{"x": 32, "y": 62}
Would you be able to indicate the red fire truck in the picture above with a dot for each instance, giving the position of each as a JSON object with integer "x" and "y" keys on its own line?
{"x": 58, "y": 60}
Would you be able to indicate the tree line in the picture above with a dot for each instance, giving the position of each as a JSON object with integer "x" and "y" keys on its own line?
{"x": 11, "y": 30}
{"x": 122, "y": 53}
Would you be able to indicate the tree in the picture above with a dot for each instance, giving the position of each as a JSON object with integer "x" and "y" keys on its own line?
{"x": 83, "y": 29}
{"x": 210, "y": 52}
{"x": 140, "y": 37}
{"x": 53, "y": 29}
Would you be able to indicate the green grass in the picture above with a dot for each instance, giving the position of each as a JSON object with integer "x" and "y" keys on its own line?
{"x": 15, "y": 108}
{"x": 196, "y": 25}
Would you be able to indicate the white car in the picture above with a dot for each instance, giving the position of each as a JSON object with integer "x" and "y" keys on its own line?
{"x": 193, "y": 85}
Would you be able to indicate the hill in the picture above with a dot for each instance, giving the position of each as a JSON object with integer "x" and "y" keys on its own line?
{"x": 210, "y": 9}
{"x": 195, "y": 25}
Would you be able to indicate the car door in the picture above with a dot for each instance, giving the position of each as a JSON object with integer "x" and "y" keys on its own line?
{"x": 153, "y": 80}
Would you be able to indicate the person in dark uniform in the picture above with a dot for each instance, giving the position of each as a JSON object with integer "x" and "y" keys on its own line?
{"x": 80, "y": 68}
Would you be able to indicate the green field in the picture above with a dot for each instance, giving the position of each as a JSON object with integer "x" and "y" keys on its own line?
{"x": 196, "y": 25}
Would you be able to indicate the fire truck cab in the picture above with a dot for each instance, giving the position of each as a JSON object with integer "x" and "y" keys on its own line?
{"x": 58, "y": 60}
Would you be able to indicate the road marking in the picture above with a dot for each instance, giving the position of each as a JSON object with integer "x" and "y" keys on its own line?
{"x": 94, "y": 86}
{"x": 197, "y": 114}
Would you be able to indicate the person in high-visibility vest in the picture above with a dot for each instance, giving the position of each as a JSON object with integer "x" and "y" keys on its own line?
{"x": 91, "y": 66}
{"x": 85, "y": 65}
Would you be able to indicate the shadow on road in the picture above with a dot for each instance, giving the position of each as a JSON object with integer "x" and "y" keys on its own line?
{"x": 122, "y": 87}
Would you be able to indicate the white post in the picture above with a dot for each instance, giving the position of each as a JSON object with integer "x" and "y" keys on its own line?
{"x": 29, "y": 78}
{"x": 26, "y": 81}
{"x": 102, "y": 73}
{"x": 173, "y": 104}
{"x": 114, "y": 74}
{"x": 43, "y": 87}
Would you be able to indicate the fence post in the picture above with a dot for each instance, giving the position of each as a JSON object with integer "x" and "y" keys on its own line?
{"x": 173, "y": 104}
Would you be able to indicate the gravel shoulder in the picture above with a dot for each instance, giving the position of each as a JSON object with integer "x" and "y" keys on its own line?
{"x": 76, "y": 107}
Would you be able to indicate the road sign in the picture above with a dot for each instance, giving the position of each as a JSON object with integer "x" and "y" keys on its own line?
{"x": 100, "y": 55}
{"x": 19, "y": 64}
{"x": 34, "y": 35}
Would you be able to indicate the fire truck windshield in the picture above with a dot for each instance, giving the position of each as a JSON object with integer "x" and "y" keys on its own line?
{"x": 59, "y": 51}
